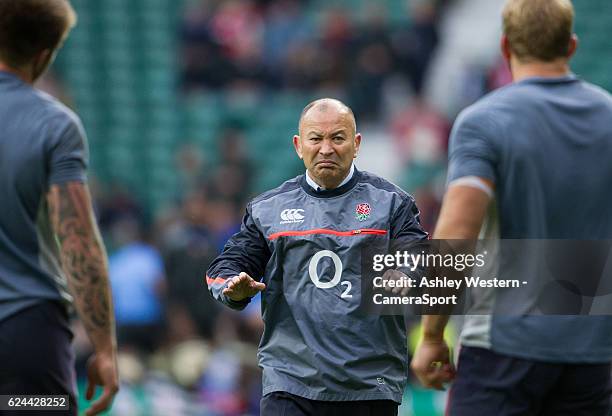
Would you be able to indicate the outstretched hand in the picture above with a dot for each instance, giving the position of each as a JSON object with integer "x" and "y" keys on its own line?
{"x": 242, "y": 286}
{"x": 396, "y": 288}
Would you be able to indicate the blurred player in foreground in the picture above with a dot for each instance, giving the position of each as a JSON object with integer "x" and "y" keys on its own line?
{"x": 51, "y": 253}
{"x": 539, "y": 150}
{"x": 320, "y": 355}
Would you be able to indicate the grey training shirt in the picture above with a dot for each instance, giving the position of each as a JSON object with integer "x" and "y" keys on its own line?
{"x": 41, "y": 143}
{"x": 546, "y": 143}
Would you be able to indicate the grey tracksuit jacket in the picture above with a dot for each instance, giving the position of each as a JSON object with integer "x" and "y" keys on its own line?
{"x": 305, "y": 245}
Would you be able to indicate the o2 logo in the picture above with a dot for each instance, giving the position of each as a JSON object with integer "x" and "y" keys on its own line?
{"x": 314, "y": 276}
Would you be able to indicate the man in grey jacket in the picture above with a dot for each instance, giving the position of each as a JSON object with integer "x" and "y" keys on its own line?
{"x": 300, "y": 245}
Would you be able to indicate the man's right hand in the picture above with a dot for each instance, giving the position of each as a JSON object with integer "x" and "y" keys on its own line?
{"x": 432, "y": 365}
{"x": 102, "y": 371}
{"x": 242, "y": 286}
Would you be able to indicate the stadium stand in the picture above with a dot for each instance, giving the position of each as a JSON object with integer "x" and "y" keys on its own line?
{"x": 122, "y": 68}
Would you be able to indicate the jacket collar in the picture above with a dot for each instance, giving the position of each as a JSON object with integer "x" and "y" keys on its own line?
{"x": 328, "y": 193}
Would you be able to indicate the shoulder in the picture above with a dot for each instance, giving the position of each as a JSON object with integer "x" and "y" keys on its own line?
{"x": 280, "y": 191}
{"x": 597, "y": 93}
{"x": 486, "y": 119}
{"x": 384, "y": 186}
{"x": 53, "y": 111}
{"x": 484, "y": 112}
{"x": 45, "y": 114}
{"x": 30, "y": 101}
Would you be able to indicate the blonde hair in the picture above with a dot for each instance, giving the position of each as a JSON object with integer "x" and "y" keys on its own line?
{"x": 538, "y": 29}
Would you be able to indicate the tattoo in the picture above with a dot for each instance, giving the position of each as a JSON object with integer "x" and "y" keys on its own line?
{"x": 82, "y": 256}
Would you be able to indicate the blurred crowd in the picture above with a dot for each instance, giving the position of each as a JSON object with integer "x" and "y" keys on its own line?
{"x": 286, "y": 45}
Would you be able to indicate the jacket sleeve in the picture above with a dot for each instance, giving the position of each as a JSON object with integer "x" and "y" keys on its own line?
{"x": 407, "y": 234}
{"x": 406, "y": 224}
{"x": 246, "y": 251}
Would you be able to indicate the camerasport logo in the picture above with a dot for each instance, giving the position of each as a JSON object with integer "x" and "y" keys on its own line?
{"x": 292, "y": 216}
{"x": 362, "y": 212}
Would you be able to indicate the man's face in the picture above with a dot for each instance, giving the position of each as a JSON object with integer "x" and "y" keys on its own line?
{"x": 327, "y": 143}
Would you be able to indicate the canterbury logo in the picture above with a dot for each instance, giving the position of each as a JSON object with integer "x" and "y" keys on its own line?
{"x": 292, "y": 215}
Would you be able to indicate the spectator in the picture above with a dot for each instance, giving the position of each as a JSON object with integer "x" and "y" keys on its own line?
{"x": 285, "y": 28}
{"x": 420, "y": 135}
{"x": 191, "y": 245}
{"x": 137, "y": 279}
{"x": 414, "y": 45}
{"x": 204, "y": 64}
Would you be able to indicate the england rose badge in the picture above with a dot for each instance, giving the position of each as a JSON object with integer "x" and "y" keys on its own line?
{"x": 362, "y": 212}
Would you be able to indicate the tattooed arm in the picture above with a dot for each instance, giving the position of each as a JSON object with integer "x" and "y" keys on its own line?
{"x": 84, "y": 261}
